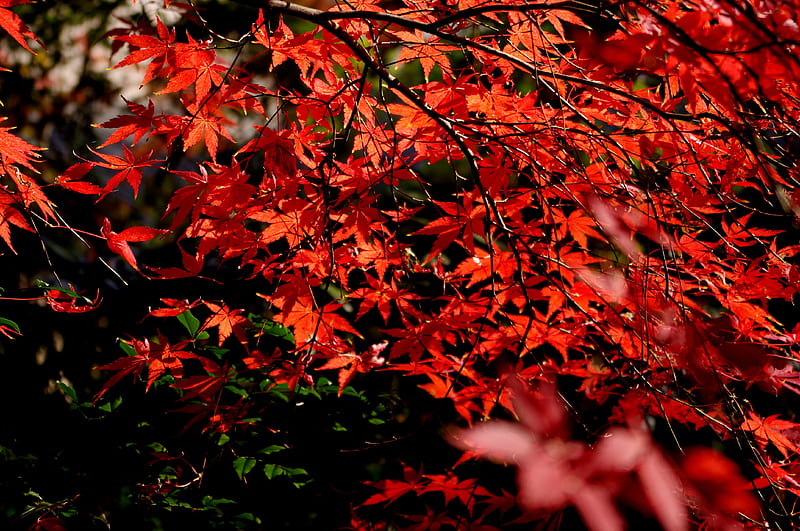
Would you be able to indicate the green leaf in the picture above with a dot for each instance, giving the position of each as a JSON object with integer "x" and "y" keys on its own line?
{"x": 108, "y": 407}
{"x": 209, "y": 501}
{"x": 272, "y": 470}
{"x": 126, "y": 347}
{"x": 189, "y": 322}
{"x": 277, "y": 330}
{"x": 248, "y": 517}
{"x": 243, "y": 465}
{"x": 271, "y": 449}
{"x": 295, "y": 471}
{"x": 44, "y": 285}
{"x": 68, "y": 391}
{"x": 11, "y": 324}
{"x": 157, "y": 447}
{"x": 237, "y": 390}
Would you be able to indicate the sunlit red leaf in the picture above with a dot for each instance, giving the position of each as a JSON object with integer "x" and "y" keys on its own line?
{"x": 118, "y": 242}
{"x": 14, "y": 25}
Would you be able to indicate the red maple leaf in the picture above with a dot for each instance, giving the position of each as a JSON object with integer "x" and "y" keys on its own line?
{"x": 194, "y": 63}
{"x": 159, "y": 49}
{"x": 65, "y": 301}
{"x": 138, "y": 124}
{"x": 350, "y": 363}
{"x": 773, "y": 430}
{"x": 11, "y": 22}
{"x": 14, "y": 150}
{"x": 128, "y": 168}
{"x": 554, "y": 471}
{"x": 719, "y": 486}
{"x": 227, "y": 322}
{"x": 392, "y": 490}
{"x": 69, "y": 179}
{"x": 173, "y": 308}
{"x": 311, "y": 324}
{"x": 206, "y": 127}
{"x": 157, "y": 357}
{"x": 118, "y": 242}
{"x": 9, "y": 215}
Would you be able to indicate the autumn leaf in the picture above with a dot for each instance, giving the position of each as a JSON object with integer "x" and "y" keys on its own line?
{"x": 138, "y": 124}
{"x": 128, "y": 168}
{"x": 773, "y": 430}
{"x": 554, "y": 472}
{"x": 350, "y": 363}
{"x": 719, "y": 484}
{"x": 208, "y": 128}
{"x": 392, "y": 490}
{"x": 14, "y": 25}
{"x": 14, "y": 150}
{"x": 10, "y": 215}
{"x": 65, "y": 302}
{"x": 146, "y": 47}
{"x": 174, "y": 307}
{"x": 118, "y": 242}
{"x": 69, "y": 179}
{"x": 227, "y": 322}
{"x": 278, "y": 150}
{"x": 192, "y": 265}
{"x": 427, "y": 51}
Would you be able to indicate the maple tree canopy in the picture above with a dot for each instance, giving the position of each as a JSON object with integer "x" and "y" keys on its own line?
{"x": 421, "y": 264}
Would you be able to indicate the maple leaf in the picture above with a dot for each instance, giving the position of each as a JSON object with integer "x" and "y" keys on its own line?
{"x": 554, "y": 471}
{"x": 165, "y": 357}
{"x": 204, "y": 387}
{"x": 432, "y": 520}
{"x": 459, "y": 223}
{"x": 192, "y": 265}
{"x": 453, "y": 488}
{"x": 208, "y": 128}
{"x": 31, "y": 193}
{"x": 157, "y": 357}
{"x": 9, "y": 215}
{"x": 720, "y": 486}
{"x": 194, "y": 63}
{"x": 14, "y": 25}
{"x": 379, "y": 295}
{"x": 392, "y": 490}
{"x": 174, "y": 307}
{"x": 49, "y": 523}
{"x": 137, "y": 125}
{"x": 14, "y": 150}
{"x": 350, "y": 363}
{"x": 128, "y": 169}
{"x": 227, "y": 322}
{"x": 159, "y": 49}
{"x": 133, "y": 365}
{"x": 65, "y": 301}
{"x": 311, "y": 324}
{"x": 773, "y": 430}
{"x": 284, "y": 45}
{"x": 278, "y": 150}
{"x": 69, "y": 179}
{"x": 427, "y": 51}
{"x": 118, "y": 242}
